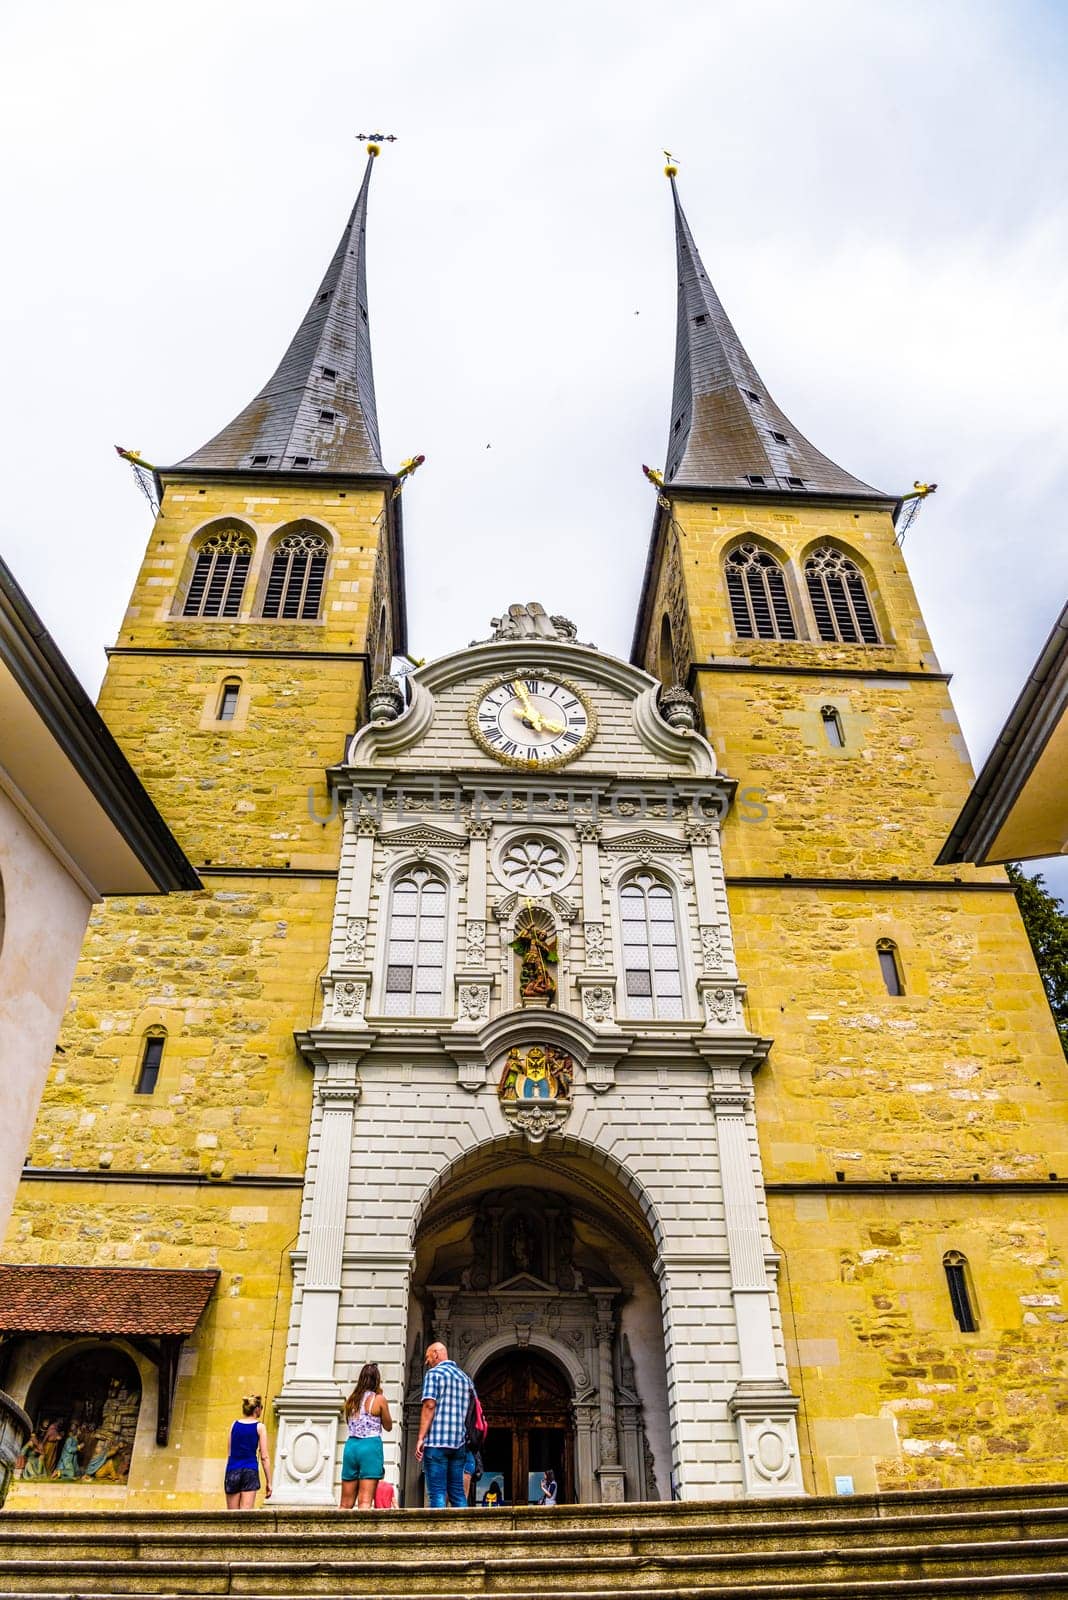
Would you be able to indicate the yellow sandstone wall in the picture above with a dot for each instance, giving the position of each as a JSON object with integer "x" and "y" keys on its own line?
{"x": 959, "y": 1080}
{"x": 228, "y": 972}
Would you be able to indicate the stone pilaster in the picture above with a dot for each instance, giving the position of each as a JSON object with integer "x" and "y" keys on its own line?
{"x": 764, "y": 1409}
{"x": 310, "y": 1402}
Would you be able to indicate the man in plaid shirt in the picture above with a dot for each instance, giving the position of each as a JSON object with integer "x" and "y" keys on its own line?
{"x": 442, "y": 1442}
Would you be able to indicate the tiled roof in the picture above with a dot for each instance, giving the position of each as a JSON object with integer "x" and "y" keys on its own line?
{"x": 726, "y": 430}
{"x": 103, "y": 1299}
{"x": 317, "y": 413}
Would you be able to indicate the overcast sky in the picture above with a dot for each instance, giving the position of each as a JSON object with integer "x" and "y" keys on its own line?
{"x": 878, "y": 190}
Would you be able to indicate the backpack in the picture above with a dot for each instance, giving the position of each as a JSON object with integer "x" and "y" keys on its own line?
{"x": 476, "y": 1427}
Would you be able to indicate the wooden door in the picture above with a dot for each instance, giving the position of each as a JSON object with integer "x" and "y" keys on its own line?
{"x": 528, "y": 1396}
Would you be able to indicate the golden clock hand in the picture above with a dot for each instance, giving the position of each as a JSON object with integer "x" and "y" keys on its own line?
{"x": 523, "y": 695}
{"x": 551, "y": 727}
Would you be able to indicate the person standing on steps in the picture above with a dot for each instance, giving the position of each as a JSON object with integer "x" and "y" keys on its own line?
{"x": 362, "y": 1465}
{"x": 442, "y": 1442}
{"x": 248, "y": 1446}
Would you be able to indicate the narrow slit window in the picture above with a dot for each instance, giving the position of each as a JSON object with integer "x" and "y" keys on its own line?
{"x": 756, "y": 587}
{"x": 295, "y": 583}
{"x": 839, "y": 598}
{"x": 415, "y": 954}
{"x": 219, "y": 575}
{"x": 151, "y": 1060}
{"x": 955, "y": 1266}
{"x": 832, "y": 727}
{"x": 231, "y": 693}
{"x": 890, "y": 966}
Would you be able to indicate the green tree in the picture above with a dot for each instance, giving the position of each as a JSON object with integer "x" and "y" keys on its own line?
{"x": 1047, "y": 929}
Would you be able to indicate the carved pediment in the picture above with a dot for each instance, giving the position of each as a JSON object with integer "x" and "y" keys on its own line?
{"x": 423, "y": 837}
{"x": 644, "y": 839}
{"x": 525, "y": 1283}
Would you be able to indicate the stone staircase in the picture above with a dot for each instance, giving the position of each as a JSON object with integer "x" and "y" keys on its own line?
{"x": 1002, "y": 1543}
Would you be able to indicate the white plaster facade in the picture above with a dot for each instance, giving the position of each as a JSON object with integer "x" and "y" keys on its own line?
{"x": 658, "y": 1137}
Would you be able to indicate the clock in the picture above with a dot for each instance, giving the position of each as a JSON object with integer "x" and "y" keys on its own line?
{"x": 531, "y": 719}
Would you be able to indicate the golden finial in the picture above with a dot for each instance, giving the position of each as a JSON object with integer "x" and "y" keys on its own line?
{"x": 671, "y": 170}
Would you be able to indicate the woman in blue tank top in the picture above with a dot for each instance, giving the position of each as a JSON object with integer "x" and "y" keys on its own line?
{"x": 248, "y": 1447}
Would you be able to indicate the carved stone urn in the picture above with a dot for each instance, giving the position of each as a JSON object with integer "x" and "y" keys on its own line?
{"x": 678, "y": 708}
{"x": 386, "y": 700}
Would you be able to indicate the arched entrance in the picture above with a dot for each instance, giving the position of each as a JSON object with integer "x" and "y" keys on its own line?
{"x": 536, "y": 1274}
{"x": 528, "y": 1405}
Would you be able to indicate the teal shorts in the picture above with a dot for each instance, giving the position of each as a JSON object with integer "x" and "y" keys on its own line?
{"x": 362, "y": 1459}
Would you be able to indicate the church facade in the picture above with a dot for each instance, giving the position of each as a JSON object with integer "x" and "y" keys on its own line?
{"x": 605, "y": 1019}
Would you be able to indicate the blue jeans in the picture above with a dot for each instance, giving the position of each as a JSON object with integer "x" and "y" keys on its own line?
{"x": 444, "y": 1472}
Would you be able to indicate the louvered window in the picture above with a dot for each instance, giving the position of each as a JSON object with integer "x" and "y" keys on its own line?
{"x": 652, "y": 970}
{"x": 219, "y": 576}
{"x": 295, "y": 585}
{"x": 415, "y": 957}
{"x": 759, "y": 600}
{"x": 839, "y": 598}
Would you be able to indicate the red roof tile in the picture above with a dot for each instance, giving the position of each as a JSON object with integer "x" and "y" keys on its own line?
{"x": 103, "y": 1299}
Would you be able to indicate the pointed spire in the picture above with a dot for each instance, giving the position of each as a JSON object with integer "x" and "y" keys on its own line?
{"x": 726, "y": 430}
{"x": 317, "y": 413}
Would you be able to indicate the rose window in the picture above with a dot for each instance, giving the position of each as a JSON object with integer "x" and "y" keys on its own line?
{"x": 533, "y": 865}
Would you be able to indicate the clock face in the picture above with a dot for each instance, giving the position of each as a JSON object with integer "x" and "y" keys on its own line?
{"x": 530, "y": 720}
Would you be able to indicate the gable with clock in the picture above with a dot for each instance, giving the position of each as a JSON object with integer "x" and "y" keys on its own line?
{"x": 532, "y": 983}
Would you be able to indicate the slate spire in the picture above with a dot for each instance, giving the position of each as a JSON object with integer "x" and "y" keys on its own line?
{"x": 726, "y": 431}
{"x": 317, "y": 413}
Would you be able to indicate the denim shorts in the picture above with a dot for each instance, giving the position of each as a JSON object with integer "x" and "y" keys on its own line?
{"x": 363, "y": 1458}
{"x": 241, "y": 1480}
{"x": 470, "y": 1464}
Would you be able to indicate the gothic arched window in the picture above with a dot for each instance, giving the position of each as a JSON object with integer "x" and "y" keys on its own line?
{"x": 415, "y": 955}
{"x": 295, "y": 584}
{"x": 219, "y": 575}
{"x": 652, "y": 968}
{"x": 759, "y": 600}
{"x": 839, "y": 598}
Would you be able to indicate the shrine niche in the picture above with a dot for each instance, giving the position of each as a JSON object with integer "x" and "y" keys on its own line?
{"x": 536, "y": 946}
{"x": 84, "y": 1418}
{"x": 512, "y": 1294}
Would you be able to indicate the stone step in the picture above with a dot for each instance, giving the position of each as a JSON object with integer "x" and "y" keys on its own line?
{"x": 1015, "y": 1585}
{"x": 547, "y": 1573}
{"x": 403, "y": 1536}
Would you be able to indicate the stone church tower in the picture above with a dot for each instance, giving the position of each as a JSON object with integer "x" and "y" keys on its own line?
{"x": 606, "y": 1019}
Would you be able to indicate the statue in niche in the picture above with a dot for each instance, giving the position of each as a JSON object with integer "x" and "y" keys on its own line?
{"x": 542, "y": 1073}
{"x": 520, "y": 1245}
{"x": 567, "y": 1275}
{"x": 477, "y": 1275}
{"x": 537, "y": 952}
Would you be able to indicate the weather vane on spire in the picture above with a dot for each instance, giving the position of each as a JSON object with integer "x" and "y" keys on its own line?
{"x": 672, "y": 165}
{"x": 376, "y": 140}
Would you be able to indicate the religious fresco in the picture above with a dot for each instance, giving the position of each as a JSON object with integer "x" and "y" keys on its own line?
{"x": 84, "y": 1421}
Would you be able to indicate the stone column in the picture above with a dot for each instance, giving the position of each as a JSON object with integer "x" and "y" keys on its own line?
{"x": 310, "y": 1401}
{"x": 610, "y": 1473}
{"x": 764, "y": 1409}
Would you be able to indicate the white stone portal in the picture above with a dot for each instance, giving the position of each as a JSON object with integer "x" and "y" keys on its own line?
{"x": 641, "y": 1294}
